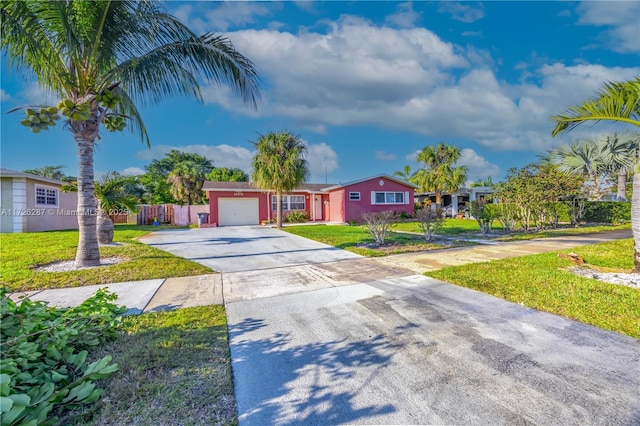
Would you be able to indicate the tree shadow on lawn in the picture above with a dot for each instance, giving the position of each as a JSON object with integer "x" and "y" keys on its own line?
{"x": 279, "y": 381}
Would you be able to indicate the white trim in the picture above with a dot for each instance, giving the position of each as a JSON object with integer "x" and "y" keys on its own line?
{"x": 46, "y": 188}
{"x": 19, "y": 202}
{"x": 400, "y": 181}
{"x": 374, "y": 201}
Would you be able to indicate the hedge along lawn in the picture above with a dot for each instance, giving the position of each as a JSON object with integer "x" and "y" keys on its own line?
{"x": 541, "y": 282}
{"x": 19, "y": 253}
{"x": 175, "y": 368}
{"x": 469, "y": 227}
{"x": 348, "y": 237}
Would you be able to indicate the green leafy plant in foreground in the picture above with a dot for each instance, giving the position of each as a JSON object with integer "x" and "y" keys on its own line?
{"x": 43, "y": 356}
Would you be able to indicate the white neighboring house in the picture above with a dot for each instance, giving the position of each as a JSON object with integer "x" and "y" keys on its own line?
{"x": 456, "y": 202}
{"x": 31, "y": 203}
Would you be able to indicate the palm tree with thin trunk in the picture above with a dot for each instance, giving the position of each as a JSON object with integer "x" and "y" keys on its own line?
{"x": 584, "y": 157}
{"x": 621, "y": 151}
{"x": 103, "y": 59}
{"x": 620, "y": 102}
{"x": 439, "y": 174}
{"x": 279, "y": 165}
{"x": 186, "y": 180}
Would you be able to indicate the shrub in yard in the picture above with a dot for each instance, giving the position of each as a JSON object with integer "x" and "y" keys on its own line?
{"x": 298, "y": 216}
{"x": 429, "y": 220}
{"x": 483, "y": 213}
{"x": 507, "y": 215}
{"x": 379, "y": 224}
{"x": 43, "y": 356}
{"x": 607, "y": 211}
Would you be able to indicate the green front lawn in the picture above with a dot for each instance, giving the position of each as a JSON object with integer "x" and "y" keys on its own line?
{"x": 175, "y": 368}
{"x": 20, "y": 253}
{"x": 469, "y": 228}
{"x": 540, "y": 282}
{"x": 358, "y": 240}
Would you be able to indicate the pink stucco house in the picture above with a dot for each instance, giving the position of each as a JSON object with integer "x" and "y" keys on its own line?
{"x": 241, "y": 203}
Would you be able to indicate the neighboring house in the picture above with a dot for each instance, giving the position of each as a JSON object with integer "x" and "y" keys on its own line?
{"x": 456, "y": 202}
{"x": 241, "y": 203}
{"x": 31, "y": 203}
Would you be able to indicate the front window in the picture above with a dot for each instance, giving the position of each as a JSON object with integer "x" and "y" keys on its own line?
{"x": 46, "y": 196}
{"x": 389, "y": 198}
{"x": 289, "y": 202}
{"x": 354, "y": 196}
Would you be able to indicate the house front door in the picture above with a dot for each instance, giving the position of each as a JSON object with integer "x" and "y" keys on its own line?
{"x": 317, "y": 207}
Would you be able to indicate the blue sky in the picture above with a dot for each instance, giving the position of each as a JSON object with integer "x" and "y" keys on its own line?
{"x": 368, "y": 84}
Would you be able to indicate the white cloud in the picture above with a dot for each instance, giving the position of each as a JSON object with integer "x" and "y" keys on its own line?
{"x": 462, "y": 12}
{"x": 477, "y": 166}
{"x": 621, "y": 18}
{"x": 322, "y": 160}
{"x": 413, "y": 156}
{"x": 4, "y": 96}
{"x": 33, "y": 94}
{"x": 132, "y": 171}
{"x": 221, "y": 155}
{"x": 359, "y": 74}
{"x": 403, "y": 17}
{"x": 201, "y": 18}
{"x": 384, "y": 156}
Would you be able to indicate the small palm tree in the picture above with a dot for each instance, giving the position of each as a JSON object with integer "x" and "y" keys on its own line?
{"x": 279, "y": 165}
{"x": 617, "y": 101}
{"x": 186, "y": 180}
{"x": 404, "y": 174}
{"x": 439, "y": 173}
{"x": 113, "y": 197}
{"x": 620, "y": 155}
{"x": 103, "y": 58}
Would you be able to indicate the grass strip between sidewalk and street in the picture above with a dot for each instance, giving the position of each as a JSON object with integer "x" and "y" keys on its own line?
{"x": 174, "y": 369}
{"x": 542, "y": 282}
{"x": 20, "y": 253}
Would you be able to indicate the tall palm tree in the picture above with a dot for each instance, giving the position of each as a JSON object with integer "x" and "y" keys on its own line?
{"x": 105, "y": 58}
{"x": 279, "y": 165}
{"x": 439, "y": 174}
{"x": 113, "y": 196}
{"x": 617, "y": 101}
{"x": 186, "y": 180}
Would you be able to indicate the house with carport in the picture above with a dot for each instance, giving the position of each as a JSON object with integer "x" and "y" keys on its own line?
{"x": 242, "y": 203}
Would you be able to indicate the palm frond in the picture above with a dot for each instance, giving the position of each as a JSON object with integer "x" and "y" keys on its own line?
{"x": 615, "y": 102}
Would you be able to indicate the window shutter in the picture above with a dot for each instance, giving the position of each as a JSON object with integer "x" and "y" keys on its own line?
{"x": 406, "y": 197}
{"x": 373, "y": 197}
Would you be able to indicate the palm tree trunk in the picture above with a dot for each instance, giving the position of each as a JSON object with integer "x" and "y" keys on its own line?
{"x": 622, "y": 186}
{"x": 438, "y": 199}
{"x": 635, "y": 218}
{"x": 279, "y": 209}
{"x": 88, "y": 253}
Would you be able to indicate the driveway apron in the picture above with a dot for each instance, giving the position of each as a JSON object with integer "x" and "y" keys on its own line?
{"x": 322, "y": 336}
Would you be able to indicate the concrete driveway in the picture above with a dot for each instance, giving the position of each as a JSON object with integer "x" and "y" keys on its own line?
{"x": 322, "y": 336}
{"x": 244, "y": 248}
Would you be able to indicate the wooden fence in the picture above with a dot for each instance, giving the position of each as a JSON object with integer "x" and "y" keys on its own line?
{"x": 169, "y": 213}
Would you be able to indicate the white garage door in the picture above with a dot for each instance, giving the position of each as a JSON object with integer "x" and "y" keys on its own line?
{"x": 238, "y": 211}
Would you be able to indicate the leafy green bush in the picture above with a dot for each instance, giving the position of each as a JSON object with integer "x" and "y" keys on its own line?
{"x": 297, "y": 216}
{"x": 607, "y": 212}
{"x": 43, "y": 356}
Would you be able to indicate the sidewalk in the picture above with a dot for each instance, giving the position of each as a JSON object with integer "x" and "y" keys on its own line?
{"x": 142, "y": 296}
